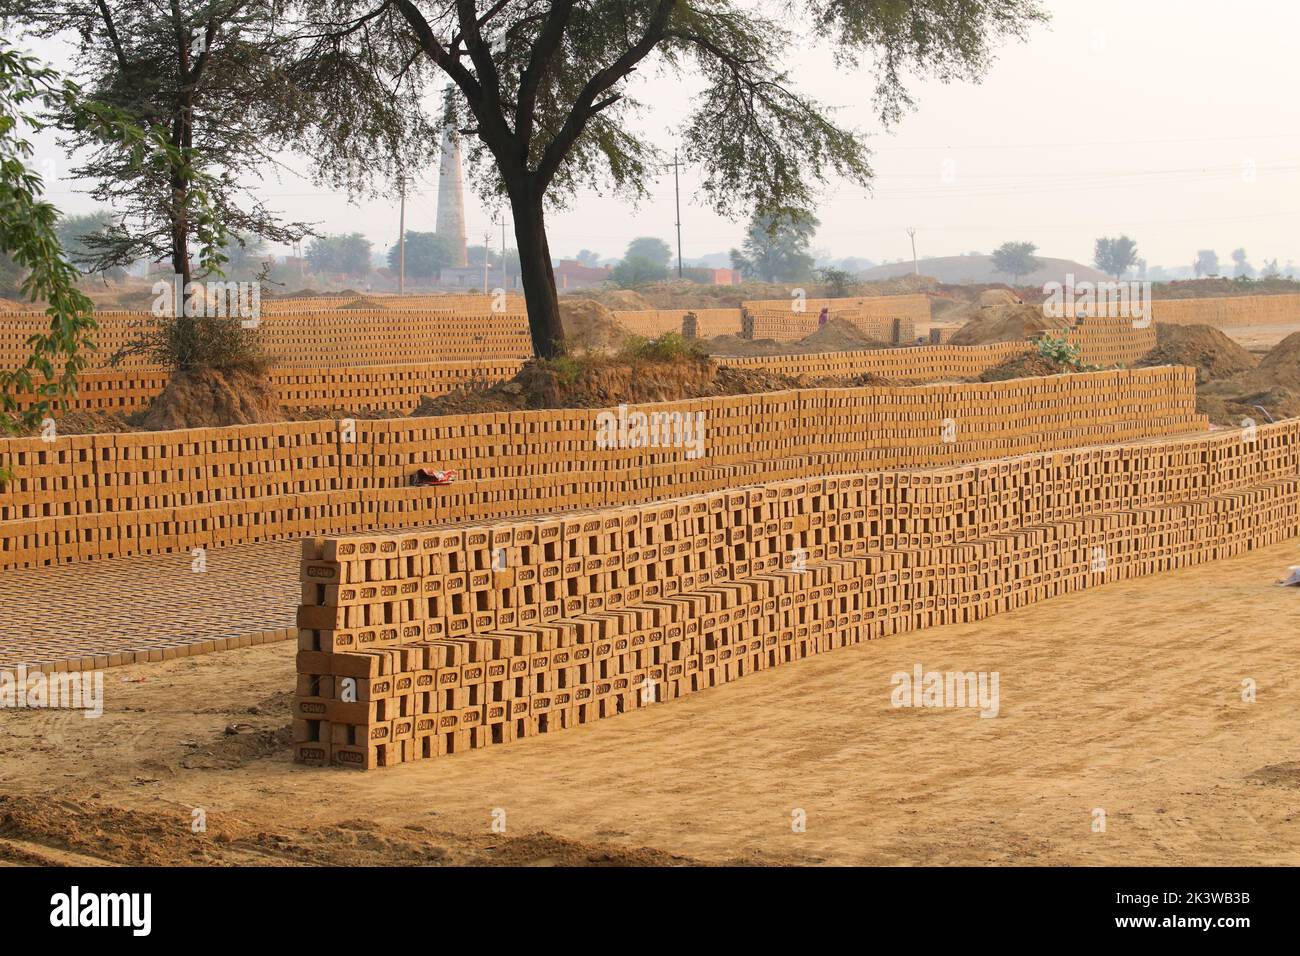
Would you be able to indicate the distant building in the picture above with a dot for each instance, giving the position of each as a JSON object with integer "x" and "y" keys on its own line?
{"x": 725, "y": 276}
{"x": 572, "y": 274}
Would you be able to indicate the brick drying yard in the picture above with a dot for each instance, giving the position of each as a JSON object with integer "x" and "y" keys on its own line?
{"x": 1125, "y": 698}
{"x": 739, "y": 610}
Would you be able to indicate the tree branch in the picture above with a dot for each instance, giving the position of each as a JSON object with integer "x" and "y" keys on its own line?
{"x": 544, "y": 47}
{"x": 601, "y": 81}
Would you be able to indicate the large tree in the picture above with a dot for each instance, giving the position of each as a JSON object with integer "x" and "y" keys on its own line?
{"x": 29, "y": 232}
{"x": 1016, "y": 259}
{"x": 1206, "y": 263}
{"x": 646, "y": 260}
{"x": 543, "y": 93}
{"x": 427, "y": 253}
{"x": 776, "y": 247}
{"x": 211, "y": 73}
{"x": 347, "y": 255}
{"x": 1115, "y": 256}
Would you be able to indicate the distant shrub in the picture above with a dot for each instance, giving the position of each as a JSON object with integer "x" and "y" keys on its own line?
{"x": 669, "y": 347}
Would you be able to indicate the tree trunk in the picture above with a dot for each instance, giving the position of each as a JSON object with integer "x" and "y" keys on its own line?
{"x": 182, "y": 133}
{"x": 535, "y": 271}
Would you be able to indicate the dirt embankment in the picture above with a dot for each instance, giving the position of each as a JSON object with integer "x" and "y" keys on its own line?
{"x": 999, "y": 322}
{"x": 1272, "y": 387}
{"x": 837, "y": 335}
{"x": 1231, "y": 385}
{"x": 606, "y": 381}
{"x": 1025, "y": 366}
{"x": 1209, "y": 351}
{"x": 589, "y": 326}
{"x": 206, "y": 398}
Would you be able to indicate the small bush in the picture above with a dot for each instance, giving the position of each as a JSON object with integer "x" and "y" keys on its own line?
{"x": 566, "y": 369}
{"x": 669, "y": 347}
{"x": 1058, "y": 350}
{"x": 194, "y": 342}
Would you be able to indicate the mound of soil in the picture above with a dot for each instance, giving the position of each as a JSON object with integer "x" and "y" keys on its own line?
{"x": 1209, "y": 351}
{"x": 1273, "y": 386}
{"x": 590, "y": 326}
{"x": 210, "y": 398}
{"x": 590, "y": 382}
{"x": 623, "y": 300}
{"x": 1010, "y": 323}
{"x": 1024, "y": 366}
{"x": 1281, "y": 366}
{"x": 997, "y": 297}
{"x": 1230, "y": 402}
{"x": 363, "y": 302}
{"x": 595, "y": 381}
{"x": 91, "y": 423}
{"x": 837, "y": 335}
{"x": 734, "y": 345}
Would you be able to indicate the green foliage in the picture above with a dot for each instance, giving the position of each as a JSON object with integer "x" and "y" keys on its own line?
{"x": 1016, "y": 259}
{"x": 1057, "y": 349}
{"x": 220, "y": 342}
{"x": 776, "y": 247}
{"x": 348, "y": 254}
{"x": 213, "y": 74}
{"x": 669, "y": 347}
{"x": 636, "y": 271}
{"x": 28, "y": 228}
{"x": 426, "y": 254}
{"x": 651, "y": 249}
{"x": 1115, "y": 256}
{"x": 74, "y": 231}
{"x": 567, "y": 369}
{"x": 1242, "y": 269}
{"x": 544, "y": 93}
{"x": 839, "y": 283}
{"x": 247, "y": 257}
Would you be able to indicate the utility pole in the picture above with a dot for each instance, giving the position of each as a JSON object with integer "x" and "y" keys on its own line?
{"x": 401, "y": 237}
{"x": 677, "y": 190}
{"x": 505, "y": 279}
{"x": 911, "y": 232}
{"x": 487, "y": 237}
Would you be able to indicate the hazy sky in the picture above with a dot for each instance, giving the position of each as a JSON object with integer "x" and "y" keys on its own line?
{"x": 1175, "y": 122}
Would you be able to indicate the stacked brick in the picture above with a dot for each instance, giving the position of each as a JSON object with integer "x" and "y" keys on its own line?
{"x": 914, "y": 307}
{"x": 389, "y": 388}
{"x": 117, "y": 330}
{"x": 417, "y": 645}
{"x": 788, "y": 326}
{"x": 1230, "y": 311}
{"x": 85, "y": 497}
{"x": 916, "y": 363}
{"x": 471, "y": 304}
{"x": 652, "y": 323}
{"x": 334, "y": 337}
{"x": 1109, "y": 341}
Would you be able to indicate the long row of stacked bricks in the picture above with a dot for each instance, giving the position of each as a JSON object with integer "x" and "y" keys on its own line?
{"x": 421, "y": 644}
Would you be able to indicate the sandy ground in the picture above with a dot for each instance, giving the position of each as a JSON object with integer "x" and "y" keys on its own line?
{"x": 1259, "y": 338}
{"x": 1125, "y": 699}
